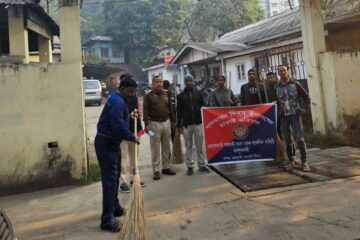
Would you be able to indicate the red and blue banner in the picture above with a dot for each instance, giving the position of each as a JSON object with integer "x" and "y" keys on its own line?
{"x": 240, "y": 134}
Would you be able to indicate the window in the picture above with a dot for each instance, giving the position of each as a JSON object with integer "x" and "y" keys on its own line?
{"x": 192, "y": 72}
{"x": 241, "y": 72}
{"x": 115, "y": 52}
{"x": 274, "y": 12}
{"x": 104, "y": 52}
{"x": 4, "y": 32}
{"x": 274, "y": 5}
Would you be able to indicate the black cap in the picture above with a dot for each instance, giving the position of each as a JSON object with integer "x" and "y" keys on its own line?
{"x": 125, "y": 75}
{"x": 127, "y": 82}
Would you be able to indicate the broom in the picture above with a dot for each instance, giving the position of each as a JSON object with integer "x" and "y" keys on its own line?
{"x": 134, "y": 224}
{"x": 177, "y": 158}
{"x": 280, "y": 154}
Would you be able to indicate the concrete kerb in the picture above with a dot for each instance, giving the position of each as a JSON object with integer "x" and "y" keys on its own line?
{"x": 261, "y": 193}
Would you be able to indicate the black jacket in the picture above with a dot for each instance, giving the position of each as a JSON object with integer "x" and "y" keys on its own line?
{"x": 252, "y": 94}
{"x": 189, "y": 105}
{"x": 133, "y": 104}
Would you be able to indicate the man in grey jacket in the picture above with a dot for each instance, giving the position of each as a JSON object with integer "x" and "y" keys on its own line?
{"x": 222, "y": 96}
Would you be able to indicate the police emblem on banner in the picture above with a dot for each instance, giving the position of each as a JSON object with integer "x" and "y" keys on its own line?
{"x": 240, "y": 132}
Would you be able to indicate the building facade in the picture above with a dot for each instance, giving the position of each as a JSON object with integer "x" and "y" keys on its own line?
{"x": 103, "y": 48}
{"x": 42, "y": 123}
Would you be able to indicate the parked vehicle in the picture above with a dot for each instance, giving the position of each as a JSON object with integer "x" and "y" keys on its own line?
{"x": 92, "y": 91}
{"x": 104, "y": 90}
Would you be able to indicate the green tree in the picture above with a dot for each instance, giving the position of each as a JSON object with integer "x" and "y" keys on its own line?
{"x": 145, "y": 27}
{"x": 212, "y": 18}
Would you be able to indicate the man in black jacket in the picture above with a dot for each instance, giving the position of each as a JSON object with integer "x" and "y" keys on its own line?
{"x": 189, "y": 106}
{"x": 252, "y": 92}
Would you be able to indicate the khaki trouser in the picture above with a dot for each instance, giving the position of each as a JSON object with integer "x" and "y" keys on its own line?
{"x": 196, "y": 132}
{"x": 161, "y": 140}
{"x": 127, "y": 160}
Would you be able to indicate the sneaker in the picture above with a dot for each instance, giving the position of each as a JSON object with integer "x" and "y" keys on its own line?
{"x": 204, "y": 169}
{"x": 113, "y": 226}
{"x": 168, "y": 171}
{"x": 156, "y": 176}
{"x": 124, "y": 188}
{"x": 190, "y": 171}
{"x": 142, "y": 184}
{"x": 305, "y": 167}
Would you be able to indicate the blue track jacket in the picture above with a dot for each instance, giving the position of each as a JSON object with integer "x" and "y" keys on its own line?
{"x": 114, "y": 119}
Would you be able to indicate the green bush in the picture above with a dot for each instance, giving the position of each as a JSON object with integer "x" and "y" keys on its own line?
{"x": 93, "y": 173}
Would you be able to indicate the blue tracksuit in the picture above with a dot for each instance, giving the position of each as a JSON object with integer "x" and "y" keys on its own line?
{"x": 113, "y": 127}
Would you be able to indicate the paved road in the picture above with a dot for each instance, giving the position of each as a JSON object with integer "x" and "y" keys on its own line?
{"x": 198, "y": 207}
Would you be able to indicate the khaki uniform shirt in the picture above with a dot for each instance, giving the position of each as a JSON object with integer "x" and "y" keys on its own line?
{"x": 157, "y": 107}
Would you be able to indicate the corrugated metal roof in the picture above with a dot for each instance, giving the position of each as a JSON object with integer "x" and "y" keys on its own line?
{"x": 102, "y": 38}
{"x": 210, "y": 47}
{"x": 20, "y": 1}
{"x": 282, "y": 24}
{"x": 217, "y": 47}
{"x": 98, "y": 38}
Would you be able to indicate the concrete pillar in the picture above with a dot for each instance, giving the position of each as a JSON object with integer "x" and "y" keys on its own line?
{"x": 182, "y": 75}
{"x": 69, "y": 20}
{"x": 18, "y": 34}
{"x": 45, "y": 50}
{"x": 313, "y": 35}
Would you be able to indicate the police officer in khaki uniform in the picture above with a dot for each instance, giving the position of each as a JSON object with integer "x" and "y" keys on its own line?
{"x": 158, "y": 117}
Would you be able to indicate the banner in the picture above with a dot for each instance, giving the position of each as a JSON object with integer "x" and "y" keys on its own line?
{"x": 240, "y": 134}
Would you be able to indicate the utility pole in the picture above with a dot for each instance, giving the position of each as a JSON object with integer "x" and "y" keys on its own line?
{"x": 47, "y": 7}
{"x": 313, "y": 37}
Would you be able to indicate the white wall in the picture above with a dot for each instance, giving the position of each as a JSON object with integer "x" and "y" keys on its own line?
{"x": 167, "y": 74}
{"x": 231, "y": 72}
{"x": 341, "y": 83}
{"x": 41, "y": 104}
{"x": 278, "y": 6}
{"x": 195, "y": 55}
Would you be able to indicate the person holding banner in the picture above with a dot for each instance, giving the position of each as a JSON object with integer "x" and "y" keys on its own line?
{"x": 290, "y": 96}
{"x": 222, "y": 96}
{"x": 190, "y": 102}
{"x": 158, "y": 117}
{"x": 251, "y": 93}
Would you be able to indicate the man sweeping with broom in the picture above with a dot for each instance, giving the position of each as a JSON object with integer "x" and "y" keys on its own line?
{"x": 112, "y": 128}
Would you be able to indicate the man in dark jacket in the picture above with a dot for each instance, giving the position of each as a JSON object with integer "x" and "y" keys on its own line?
{"x": 189, "y": 106}
{"x": 112, "y": 128}
{"x": 252, "y": 92}
{"x": 290, "y": 96}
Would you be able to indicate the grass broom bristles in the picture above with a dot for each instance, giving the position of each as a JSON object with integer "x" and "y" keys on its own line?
{"x": 280, "y": 150}
{"x": 134, "y": 224}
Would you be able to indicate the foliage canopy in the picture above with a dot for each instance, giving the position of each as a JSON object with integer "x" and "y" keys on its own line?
{"x": 145, "y": 27}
